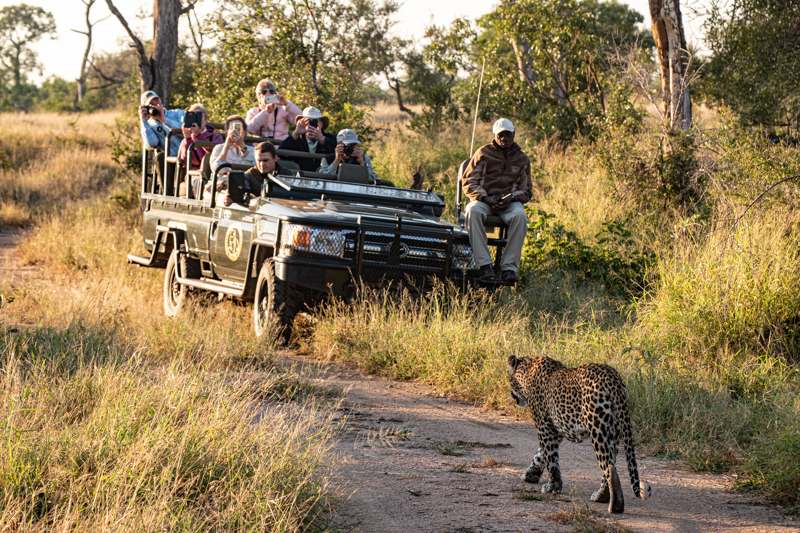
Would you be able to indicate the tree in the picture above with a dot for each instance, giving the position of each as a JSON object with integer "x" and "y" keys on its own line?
{"x": 20, "y": 26}
{"x": 673, "y": 62}
{"x": 755, "y": 66}
{"x": 156, "y": 69}
{"x": 545, "y": 61}
{"x": 318, "y": 52}
{"x": 108, "y": 81}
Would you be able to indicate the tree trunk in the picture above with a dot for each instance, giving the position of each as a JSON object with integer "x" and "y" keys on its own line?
{"x": 157, "y": 68}
{"x": 166, "y": 14}
{"x": 82, "y": 77}
{"x": 673, "y": 62}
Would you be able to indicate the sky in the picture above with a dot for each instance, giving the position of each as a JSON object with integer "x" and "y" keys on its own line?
{"x": 62, "y": 56}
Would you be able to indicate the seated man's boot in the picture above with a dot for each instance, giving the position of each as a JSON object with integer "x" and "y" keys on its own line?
{"x": 486, "y": 273}
{"x": 509, "y": 276}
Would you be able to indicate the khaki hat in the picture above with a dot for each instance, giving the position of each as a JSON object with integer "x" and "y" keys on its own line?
{"x": 502, "y": 124}
{"x": 147, "y": 97}
{"x": 347, "y": 137}
{"x": 313, "y": 112}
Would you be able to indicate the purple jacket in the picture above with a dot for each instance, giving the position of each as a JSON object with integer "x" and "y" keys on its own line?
{"x": 198, "y": 152}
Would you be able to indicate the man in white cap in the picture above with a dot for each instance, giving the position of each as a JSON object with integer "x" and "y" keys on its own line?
{"x": 309, "y": 136}
{"x": 348, "y": 150}
{"x": 498, "y": 181}
{"x": 156, "y": 122}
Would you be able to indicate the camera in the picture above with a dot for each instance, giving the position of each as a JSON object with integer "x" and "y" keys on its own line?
{"x": 313, "y": 122}
{"x": 348, "y": 149}
{"x": 153, "y": 110}
{"x": 191, "y": 118}
{"x": 271, "y": 99}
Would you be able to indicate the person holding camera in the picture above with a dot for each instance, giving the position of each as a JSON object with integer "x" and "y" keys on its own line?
{"x": 348, "y": 150}
{"x": 234, "y": 150}
{"x": 274, "y": 114}
{"x": 195, "y": 129}
{"x": 156, "y": 123}
{"x": 309, "y": 136}
{"x": 498, "y": 181}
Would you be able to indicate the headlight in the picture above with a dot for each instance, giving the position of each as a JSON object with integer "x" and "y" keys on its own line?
{"x": 296, "y": 238}
{"x": 461, "y": 257}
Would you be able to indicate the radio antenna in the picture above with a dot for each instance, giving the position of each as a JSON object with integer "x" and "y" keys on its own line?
{"x": 477, "y": 105}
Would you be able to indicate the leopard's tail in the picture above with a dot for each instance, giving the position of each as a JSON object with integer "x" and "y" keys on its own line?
{"x": 641, "y": 488}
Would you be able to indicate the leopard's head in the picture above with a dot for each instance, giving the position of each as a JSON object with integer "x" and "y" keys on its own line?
{"x": 517, "y": 390}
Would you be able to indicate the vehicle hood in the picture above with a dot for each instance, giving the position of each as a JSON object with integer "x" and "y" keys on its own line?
{"x": 346, "y": 211}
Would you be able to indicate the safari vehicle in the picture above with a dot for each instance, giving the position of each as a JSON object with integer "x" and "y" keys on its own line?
{"x": 303, "y": 237}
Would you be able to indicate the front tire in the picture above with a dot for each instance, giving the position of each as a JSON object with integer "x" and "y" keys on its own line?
{"x": 177, "y": 295}
{"x": 276, "y": 304}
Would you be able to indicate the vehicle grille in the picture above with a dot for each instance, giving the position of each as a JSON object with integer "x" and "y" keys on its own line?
{"x": 407, "y": 259}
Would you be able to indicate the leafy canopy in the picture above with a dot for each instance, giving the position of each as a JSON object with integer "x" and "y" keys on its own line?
{"x": 318, "y": 52}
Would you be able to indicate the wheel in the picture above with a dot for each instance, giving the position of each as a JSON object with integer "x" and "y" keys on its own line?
{"x": 177, "y": 295}
{"x": 276, "y": 304}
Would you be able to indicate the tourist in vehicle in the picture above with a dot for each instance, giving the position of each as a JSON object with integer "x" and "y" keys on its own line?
{"x": 309, "y": 136}
{"x": 156, "y": 123}
{"x": 498, "y": 181}
{"x": 234, "y": 150}
{"x": 197, "y": 132}
{"x": 348, "y": 150}
{"x": 266, "y": 163}
{"x": 274, "y": 114}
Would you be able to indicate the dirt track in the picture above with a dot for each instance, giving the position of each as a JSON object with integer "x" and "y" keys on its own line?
{"x": 394, "y": 485}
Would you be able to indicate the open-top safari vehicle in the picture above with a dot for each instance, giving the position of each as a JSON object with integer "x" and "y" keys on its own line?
{"x": 302, "y": 237}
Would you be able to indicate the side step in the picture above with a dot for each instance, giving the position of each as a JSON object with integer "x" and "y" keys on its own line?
{"x": 230, "y": 289}
{"x": 150, "y": 261}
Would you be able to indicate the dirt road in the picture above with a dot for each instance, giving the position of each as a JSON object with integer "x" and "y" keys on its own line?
{"x": 11, "y": 271}
{"x": 416, "y": 462}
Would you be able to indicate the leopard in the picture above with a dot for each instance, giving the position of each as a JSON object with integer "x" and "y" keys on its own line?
{"x": 575, "y": 403}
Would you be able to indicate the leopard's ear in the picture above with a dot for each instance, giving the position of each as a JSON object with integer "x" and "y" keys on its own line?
{"x": 512, "y": 362}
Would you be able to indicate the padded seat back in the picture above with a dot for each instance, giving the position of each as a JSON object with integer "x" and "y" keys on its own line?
{"x": 353, "y": 173}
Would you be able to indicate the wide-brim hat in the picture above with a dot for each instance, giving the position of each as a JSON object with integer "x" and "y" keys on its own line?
{"x": 313, "y": 112}
{"x": 347, "y": 137}
{"x": 148, "y": 96}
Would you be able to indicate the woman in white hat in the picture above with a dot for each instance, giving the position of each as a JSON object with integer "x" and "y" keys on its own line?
{"x": 309, "y": 136}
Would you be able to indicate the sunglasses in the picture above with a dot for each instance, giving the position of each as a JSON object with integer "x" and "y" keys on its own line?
{"x": 269, "y": 91}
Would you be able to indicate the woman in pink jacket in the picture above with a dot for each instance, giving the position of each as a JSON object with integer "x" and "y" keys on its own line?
{"x": 271, "y": 118}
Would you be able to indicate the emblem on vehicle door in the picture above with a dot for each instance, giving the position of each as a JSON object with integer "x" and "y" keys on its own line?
{"x": 233, "y": 241}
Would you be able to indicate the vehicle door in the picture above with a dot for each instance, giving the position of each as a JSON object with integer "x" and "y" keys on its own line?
{"x": 229, "y": 243}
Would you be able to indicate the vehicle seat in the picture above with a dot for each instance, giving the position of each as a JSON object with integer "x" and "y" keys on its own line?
{"x": 353, "y": 173}
{"x": 288, "y": 168}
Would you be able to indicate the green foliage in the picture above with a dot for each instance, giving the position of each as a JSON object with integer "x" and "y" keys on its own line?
{"x": 755, "y": 66}
{"x": 545, "y": 62}
{"x": 658, "y": 169}
{"x": 613, "y": 261}
{"x": 318, "y": 53}
{"x": 20, "y": 26}
{"x": 55, "y": 94}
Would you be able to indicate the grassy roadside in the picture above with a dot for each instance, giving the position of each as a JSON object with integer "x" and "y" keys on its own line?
{"x": 116, "y": 418}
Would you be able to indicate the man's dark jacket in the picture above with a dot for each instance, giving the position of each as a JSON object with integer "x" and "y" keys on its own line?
{"x": 492, "y": 171}
{"x": 301, "y": 145}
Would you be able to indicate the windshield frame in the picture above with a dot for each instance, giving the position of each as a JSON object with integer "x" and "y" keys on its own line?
{"x": 361, "y": 191}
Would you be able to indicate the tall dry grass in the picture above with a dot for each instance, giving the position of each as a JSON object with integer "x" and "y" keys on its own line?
{"x": 51, "y": 162}
{"x": 115, "y": 417}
